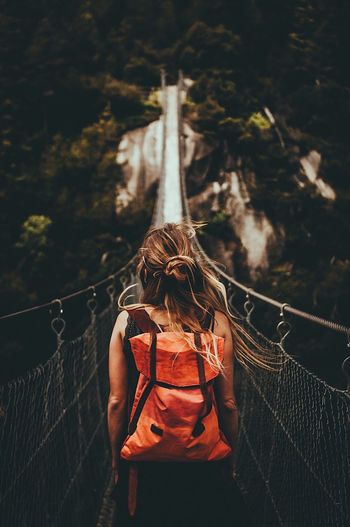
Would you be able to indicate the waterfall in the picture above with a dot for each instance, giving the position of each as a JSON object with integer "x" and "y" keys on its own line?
{"x": 251, "y": 227}
{"x": 311, "y": 166}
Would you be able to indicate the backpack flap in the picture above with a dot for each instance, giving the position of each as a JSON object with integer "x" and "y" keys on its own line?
{"x": 176, "y": 360}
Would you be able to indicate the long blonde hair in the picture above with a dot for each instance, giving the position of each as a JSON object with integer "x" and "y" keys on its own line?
{"x": 177, "y": 279}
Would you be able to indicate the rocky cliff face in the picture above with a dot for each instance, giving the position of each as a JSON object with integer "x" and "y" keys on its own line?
{"x": 254, "y": 238}
{"x": 226, "y": 189}
{"x": 139, "y": 154}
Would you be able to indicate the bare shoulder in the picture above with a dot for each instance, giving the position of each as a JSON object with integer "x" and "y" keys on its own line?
{"x": 120, "y": 324}
{"x": 222, "y": 324}
{"x": 122, "y": 318}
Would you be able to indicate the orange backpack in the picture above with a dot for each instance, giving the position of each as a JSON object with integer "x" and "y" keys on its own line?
{"x": 174, "y": 413}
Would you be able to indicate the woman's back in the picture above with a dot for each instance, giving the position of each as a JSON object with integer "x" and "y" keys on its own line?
{"x": 180, "y": 494}
{"x": 188, "y": 479}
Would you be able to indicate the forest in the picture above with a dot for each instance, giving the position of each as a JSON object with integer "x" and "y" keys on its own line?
{"x": 77, "y": 75}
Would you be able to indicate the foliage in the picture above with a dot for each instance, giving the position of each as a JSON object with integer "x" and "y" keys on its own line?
{"x": 205, "y": 47}
{"x": 76, "y": 75}
{"x": 258, "y": 121}
{"x": 34, "y": 234}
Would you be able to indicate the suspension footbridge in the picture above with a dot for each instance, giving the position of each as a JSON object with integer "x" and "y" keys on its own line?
{"x": 293, "y": 452}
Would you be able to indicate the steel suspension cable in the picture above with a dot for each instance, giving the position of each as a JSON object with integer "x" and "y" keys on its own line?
{"x": 111, "y": 278}
{"x": 249, "y": 291}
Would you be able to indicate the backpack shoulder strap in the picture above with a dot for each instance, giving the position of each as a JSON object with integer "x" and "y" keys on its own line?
{"x": 199, "y": 426}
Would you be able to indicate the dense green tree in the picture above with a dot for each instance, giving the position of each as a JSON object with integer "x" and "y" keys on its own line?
{"x": 75, "y": 76}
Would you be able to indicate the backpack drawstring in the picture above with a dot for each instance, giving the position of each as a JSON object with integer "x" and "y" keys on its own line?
{"x": 132, "y": 490}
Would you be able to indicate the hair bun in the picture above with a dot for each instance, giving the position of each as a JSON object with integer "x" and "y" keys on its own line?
{"x": 177, "y": 266}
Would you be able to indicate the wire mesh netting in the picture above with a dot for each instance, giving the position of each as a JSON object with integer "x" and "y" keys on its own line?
{"x": 293, "y": 452}
{"x": 54, "y": 446}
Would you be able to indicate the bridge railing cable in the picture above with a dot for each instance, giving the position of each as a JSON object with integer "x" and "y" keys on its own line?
{"x": 54, "y": 447}
{"x": 284, "y": 326}
{"x": 130, "y": 264}
{"x": 250, "y": 292}
{"x": 106, "y": 282}
{"x": 293, "y": 449}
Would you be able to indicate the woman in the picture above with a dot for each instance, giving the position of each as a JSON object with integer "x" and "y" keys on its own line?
{"x": 180, "y": 293}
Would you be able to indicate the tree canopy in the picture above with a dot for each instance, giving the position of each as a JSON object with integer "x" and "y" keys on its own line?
{"x": 76, "y": 75}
